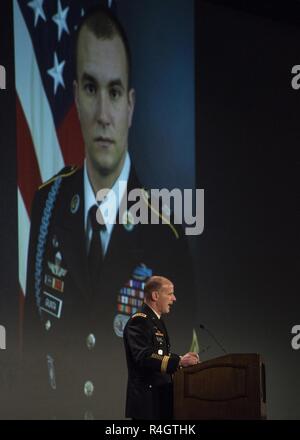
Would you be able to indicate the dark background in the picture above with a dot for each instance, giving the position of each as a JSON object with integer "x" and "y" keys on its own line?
{"x": 9, "y": 293}
{"x": 247, "y": 137}
{"x": 241, "y": 146}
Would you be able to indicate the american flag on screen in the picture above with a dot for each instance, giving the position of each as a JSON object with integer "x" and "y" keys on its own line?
{"x": 48, "y": 132}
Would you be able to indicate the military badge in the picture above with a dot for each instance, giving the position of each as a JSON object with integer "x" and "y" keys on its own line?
{"x": 75, "y": 202}
{"x": 56, "y": 268}
{"x": 119, "y": 324}
{"x": 55, "y": 243}
{"x": 89, "y": 388}
{"x": 142, "y": 272}
{"x": 91, "y": 341}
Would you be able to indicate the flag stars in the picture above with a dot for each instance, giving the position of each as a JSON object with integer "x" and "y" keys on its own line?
{"x": 37, "y": 6}
{"x": 57, "y": 73}
{"x": 60, "y": 18}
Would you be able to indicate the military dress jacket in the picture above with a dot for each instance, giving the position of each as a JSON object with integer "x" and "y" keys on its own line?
{"x": 74, "y": 363}
{"x": 150, "y": 365}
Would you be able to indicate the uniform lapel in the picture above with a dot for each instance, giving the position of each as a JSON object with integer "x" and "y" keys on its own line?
{"x": 158, "y": 322}
{"x": 71, "y": 231}
{"x": 165, "y": 331}
{"x": 148, "y": 311}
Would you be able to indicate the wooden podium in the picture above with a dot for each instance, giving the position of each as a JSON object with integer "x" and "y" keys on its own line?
{"x": 228, "y": 387}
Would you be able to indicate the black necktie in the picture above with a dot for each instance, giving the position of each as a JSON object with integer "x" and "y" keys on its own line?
{"x": 95, "y": 255}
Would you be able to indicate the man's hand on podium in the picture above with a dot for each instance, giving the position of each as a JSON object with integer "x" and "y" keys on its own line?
{"x": 189, "y": 359}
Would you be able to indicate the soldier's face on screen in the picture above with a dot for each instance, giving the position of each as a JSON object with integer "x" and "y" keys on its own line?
{"x": 104, "y": 103}
{"x": 165, "y": 298}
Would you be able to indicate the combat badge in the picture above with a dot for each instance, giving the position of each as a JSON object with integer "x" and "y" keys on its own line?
{"x": 56, "y": 268}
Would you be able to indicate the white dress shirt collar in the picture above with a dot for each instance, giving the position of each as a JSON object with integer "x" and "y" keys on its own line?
{"x": 109, "y": 209}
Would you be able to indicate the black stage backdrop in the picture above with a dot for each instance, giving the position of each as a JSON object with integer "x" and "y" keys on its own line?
{"x": 247, "y": 137}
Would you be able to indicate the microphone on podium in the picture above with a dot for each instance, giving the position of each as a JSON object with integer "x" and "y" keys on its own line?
{"x": 213, "y": 336}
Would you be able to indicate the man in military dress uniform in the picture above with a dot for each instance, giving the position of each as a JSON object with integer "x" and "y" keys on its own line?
{"x": 86, "y": 279}
{"x": 149, "y": 360}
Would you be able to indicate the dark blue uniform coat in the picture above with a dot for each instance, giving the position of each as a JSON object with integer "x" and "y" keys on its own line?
{"x": 150, "y": 366}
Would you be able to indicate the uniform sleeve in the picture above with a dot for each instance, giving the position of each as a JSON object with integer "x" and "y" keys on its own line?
{"x": 138, "y": 337}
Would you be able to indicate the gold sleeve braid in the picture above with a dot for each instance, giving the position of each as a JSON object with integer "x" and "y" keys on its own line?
{"x": 164, "y": 364}
{"x": 164, "y": 361}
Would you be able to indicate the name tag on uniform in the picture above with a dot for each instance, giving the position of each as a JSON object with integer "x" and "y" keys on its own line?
{"x": 159, "y": 337}
{"x": 51, "y": 305}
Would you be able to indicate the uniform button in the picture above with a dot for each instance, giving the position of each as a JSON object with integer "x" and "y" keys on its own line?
{"x": 90, "y": 341}
{"x": 48, "y": 325}
{"x": 88, "y": 388}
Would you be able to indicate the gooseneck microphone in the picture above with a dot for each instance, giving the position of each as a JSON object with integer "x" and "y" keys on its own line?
{"x": 213, "y": 336}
